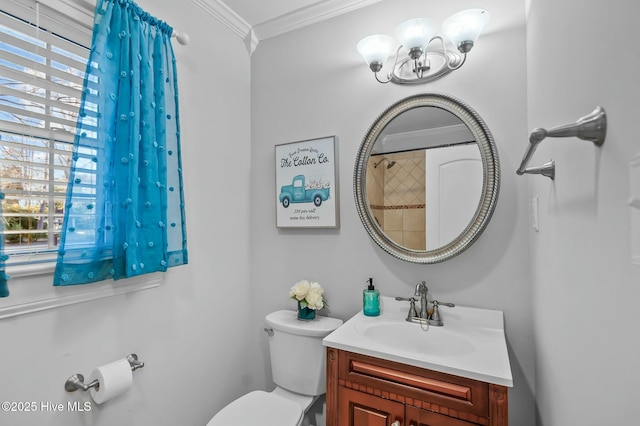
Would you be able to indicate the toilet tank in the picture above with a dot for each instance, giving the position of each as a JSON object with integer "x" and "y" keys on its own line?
{"x": 297, "y": 355}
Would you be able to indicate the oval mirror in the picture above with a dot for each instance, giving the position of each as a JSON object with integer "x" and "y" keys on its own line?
{"x": 426, "y": 178}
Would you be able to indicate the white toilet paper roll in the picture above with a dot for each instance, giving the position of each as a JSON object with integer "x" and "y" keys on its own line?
{"x": 114, "y": 378}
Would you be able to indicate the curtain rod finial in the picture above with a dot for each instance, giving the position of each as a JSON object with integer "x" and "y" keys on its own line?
{"x": 183, "y": 38}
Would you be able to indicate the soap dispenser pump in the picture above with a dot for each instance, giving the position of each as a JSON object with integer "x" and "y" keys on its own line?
{"x": 371, "y": 300}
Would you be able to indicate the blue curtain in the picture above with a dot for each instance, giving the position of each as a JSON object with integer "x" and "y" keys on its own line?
{"x": 4, "y": 290}
{"x": 124, "y": 212}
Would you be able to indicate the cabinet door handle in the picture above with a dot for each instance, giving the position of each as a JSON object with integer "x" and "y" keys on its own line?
{"x": 396, "y": 423}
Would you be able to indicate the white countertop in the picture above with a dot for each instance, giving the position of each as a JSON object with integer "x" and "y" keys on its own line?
{"x": 470, "y": 344}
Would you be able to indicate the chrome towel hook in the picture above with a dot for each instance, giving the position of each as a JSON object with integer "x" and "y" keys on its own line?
{"x": 592, "y": 127}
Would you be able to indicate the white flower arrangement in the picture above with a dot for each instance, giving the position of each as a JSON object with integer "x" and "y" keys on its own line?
{"x": 308, "y": 294}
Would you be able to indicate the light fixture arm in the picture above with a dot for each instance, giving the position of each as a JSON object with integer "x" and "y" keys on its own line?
{"x": 451, "y": 56}
{"x": 389, "y": 74}
{"x": 375, "y": 74}
{"x": 451, "y": 61}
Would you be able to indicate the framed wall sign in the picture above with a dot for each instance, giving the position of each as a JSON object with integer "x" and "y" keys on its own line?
{"x": 306, "y": 184}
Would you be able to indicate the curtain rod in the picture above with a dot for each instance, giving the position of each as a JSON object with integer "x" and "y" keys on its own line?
{"x": 82, "y": 11}
{"x": 183, "y": 38}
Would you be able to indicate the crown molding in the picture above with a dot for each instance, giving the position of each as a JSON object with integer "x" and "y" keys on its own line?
{"x": 251, "y": 41}
{"x": 299, "y": 18}
{"x": 305, "y": 16}
{"x": 219, "y": 10}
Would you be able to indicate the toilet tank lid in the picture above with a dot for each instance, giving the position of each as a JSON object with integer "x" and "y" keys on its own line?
{"x": 287, "y": 321}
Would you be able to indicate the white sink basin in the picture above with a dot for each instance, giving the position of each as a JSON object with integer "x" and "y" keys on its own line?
{"x": 470, "y": 344}
{"x": 416, "y": 339}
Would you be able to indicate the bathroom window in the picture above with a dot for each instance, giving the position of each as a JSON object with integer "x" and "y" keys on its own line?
{"x": 43, "y": 56}
{"x": 42, "y": 62}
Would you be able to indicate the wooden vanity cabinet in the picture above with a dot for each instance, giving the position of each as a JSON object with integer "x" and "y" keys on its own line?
{"x": 363, "y": 409}
{"x": 369, "y": 391}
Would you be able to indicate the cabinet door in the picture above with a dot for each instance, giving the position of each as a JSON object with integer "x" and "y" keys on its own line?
{"x": 419, "y": 417}
{"x": 361, "y": 409}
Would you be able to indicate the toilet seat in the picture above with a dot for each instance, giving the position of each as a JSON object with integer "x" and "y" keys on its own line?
{"x": 259, "y": 408}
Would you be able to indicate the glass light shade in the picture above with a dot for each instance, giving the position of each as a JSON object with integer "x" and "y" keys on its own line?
{"x": 375, "y": 49}
{"x": 465, "y": 26}
{"x": 416, "y": 33}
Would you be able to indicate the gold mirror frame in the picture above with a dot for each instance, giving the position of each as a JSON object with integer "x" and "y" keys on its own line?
{"x": 490, "y": 184}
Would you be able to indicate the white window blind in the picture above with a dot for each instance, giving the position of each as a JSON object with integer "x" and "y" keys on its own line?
{"x": 42, "y": 62}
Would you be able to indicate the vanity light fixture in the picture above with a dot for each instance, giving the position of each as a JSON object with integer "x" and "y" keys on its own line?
{"x": 415, "y": 35}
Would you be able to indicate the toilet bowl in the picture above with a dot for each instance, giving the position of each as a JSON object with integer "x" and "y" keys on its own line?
{"x": 298, "y": 370}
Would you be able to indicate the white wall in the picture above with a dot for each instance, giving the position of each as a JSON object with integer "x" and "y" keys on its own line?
{"x": 203, "y": 349}
{"x": 191, "y": 330}
{"x": 312, "y": 83}
{"x": 585, "y": 289}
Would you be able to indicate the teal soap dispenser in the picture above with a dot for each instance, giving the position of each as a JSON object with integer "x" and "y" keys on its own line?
{"x": 371, "y": 300}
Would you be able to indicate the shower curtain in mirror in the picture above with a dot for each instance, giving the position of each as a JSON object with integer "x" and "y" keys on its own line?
{"x": 124, "y": 212}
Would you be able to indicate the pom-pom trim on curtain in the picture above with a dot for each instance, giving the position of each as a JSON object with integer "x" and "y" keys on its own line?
{"x": 124, "y": 212}
{"x": 4, "y": 289}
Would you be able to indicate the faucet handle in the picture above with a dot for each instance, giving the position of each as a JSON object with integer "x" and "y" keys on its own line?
{"x": 412, "y": 306}
{"x": 435, "y": 318}
{"x": 436, "y": 303}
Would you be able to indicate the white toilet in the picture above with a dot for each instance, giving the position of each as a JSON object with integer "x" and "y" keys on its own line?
{"x": 298, "y": 370}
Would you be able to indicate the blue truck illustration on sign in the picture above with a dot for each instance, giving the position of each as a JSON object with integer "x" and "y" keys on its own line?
{"x": 298, "y": 193}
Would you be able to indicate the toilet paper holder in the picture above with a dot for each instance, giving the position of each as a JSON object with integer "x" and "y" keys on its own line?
{"x": 76, "y": 381}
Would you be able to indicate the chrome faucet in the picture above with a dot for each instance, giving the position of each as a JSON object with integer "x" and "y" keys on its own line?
{"x": 422, "y": 291}
{"x": 435, "y": 318}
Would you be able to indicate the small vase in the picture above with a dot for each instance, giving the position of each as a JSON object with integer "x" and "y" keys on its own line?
{"x": 305, "y": 313}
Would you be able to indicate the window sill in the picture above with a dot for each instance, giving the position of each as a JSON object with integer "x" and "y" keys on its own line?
{"x": 32, "y": 291}
{"x": 20, "y": 271}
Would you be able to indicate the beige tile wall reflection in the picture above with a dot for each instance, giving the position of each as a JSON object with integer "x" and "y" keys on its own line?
{"x": 397, "y": 197}
{"x": 375, "y": 189}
